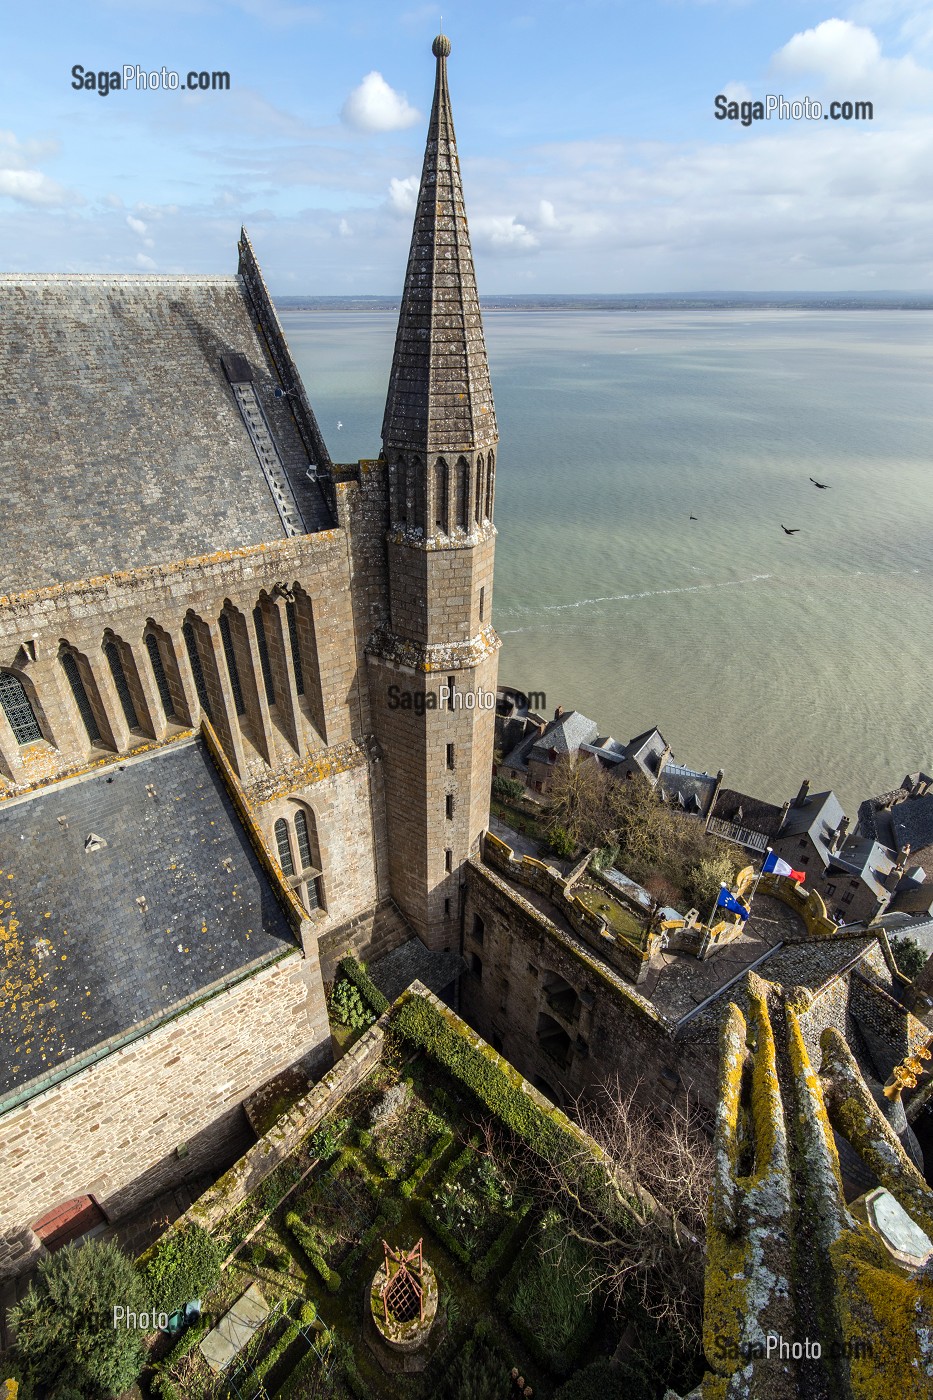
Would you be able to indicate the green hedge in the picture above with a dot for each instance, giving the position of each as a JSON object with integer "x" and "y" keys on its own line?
{"x": 501, "y": 1245}
{"x": 594, "y": 1382}
{"x": 426, "y": 1163}
{"x": 356, "y": 974}
{"x": 493, "y": 1082}
{"x": 307, "y": 1241}
{"x": 182, "y": 1265}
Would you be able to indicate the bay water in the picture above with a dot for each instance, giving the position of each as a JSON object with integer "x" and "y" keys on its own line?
{"x": 773, "y": 656}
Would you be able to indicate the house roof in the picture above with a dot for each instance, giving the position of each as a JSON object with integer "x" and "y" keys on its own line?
{"x": 912, "y": 822}
{"x": 564, "y": 735}
{"x": 97, "y": 940}
{"x": 751, "y": 812}
{"x": 867, "y": 859}
{"x": 123, "y": 443}
{"x": 818, "y": 818}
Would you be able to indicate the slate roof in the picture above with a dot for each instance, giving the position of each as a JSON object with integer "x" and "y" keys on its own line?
{"x": 751, "y": 812}
{"x": 866, "y": 858}
{"x": 692, "y": 792}
{"x": 440, "y": 397}
{"x": 81, "y": 960}
{"x": 563, "y": 735}
{"x": 818, "y": 818}
{"x": 121, "y": 443}
{"x": 912, "y": 823}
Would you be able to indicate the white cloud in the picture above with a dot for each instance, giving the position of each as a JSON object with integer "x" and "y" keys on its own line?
{"x": 145, "y": 262}
{"x": 374, "y": 106}
{"x": 136, "y": 225}
{"x": 737, "y": 92}
{"x": 31, "y": 187}
{"x": 344, "y": 229}
{"x": 403, "y": 195}
{"x": 503, "y": 233}
{"x": 546, "y": 216}
{"x": 849, "y": 55}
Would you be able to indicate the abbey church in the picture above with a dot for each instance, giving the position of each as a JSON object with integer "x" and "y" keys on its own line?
{"x": 206, "y": 797}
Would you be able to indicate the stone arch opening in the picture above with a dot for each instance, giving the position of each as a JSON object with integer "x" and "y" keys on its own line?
{"x": 86, "y": 696}
{"x": 553, "y": 1039}
{"x": 17, "y": 705}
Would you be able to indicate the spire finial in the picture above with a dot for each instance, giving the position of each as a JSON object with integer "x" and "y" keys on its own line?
{"x": 441, "y": 46}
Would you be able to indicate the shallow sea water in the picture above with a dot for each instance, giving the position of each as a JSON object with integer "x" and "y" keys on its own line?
{"x": 774, "y": 657}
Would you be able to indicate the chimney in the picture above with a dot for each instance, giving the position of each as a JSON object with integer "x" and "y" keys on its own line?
{"x": 803, "y": 795}
{"x": 783, "y": 818}
{"x": 840, "y": 835}
{"x": 558, "y": 712}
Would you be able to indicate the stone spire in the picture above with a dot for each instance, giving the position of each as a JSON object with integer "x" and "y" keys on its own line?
{"x": 440, "y": 399}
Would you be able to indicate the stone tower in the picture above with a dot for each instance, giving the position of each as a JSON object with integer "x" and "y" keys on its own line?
{"x": 433, "y": 667}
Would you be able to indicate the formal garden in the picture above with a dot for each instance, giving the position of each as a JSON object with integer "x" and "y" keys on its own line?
{"x": 440, "y": 1144}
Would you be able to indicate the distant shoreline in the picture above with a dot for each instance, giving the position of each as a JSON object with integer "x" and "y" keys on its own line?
{"x": 713, "y": 301}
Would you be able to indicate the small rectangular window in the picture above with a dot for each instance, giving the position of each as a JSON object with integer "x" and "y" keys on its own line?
{"x": 476, "y": 965}
{"x": 449, "y": 806}
{"x": 450, "y": 756}
{"x": 448, "y": 860}
{"x": 446, "y": 908}
{"x": 479, "y": 928}
{"x": 451, "y": 688}
{"x": 482, "y": 603}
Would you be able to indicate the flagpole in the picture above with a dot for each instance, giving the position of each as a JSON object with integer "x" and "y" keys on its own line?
{"x": 768, "y": 852}
{"x": 722, "y": 886}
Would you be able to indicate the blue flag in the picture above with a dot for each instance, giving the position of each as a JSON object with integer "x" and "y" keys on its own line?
{"x": 729, "y": 901}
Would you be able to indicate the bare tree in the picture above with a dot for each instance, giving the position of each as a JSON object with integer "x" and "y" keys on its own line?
{"x": 641, "y": 1217}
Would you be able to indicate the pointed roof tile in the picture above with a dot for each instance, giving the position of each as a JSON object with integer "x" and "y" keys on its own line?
{"x": 440, "y": 398}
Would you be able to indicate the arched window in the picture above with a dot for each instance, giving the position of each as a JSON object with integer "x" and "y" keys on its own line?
{"x": 263, "y": 648}
{"x": 85, "y": 709}
{"x": 291, "y": 613}
{"x": 402, "y": 492}
{"x": 161, "y": 679}
{"x": 284, "y": 847}
{"x": 197, "y": 671}
{"x": 226, "y": 636}
{"x": 19, "y": 712}
{"x": 490, "y": 470}
{"x": 304, "y": 843}
{"x": 463, "y": 494}
{"x": 441, "y": 495}
{"x": 115, "y": 662}
{"x": 478, "y": 498}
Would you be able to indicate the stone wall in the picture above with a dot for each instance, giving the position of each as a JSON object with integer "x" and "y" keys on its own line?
{"x": 112, "y": 1130}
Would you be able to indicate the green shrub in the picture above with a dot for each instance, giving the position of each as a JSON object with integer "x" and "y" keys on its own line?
{"x": 356, "y": 973}
{"x": 508, "y": 789}
{"x": 346, "y": 1006}
{"x": 308, "y": 1242}
{"x": 703, "y": 879}
{"x": 428, "y": 1161}
{"x": 594, "y": 1382}
{"x": 64, "y": 1326}
{"x": 478, "y": 1373}
{"x": 547, "y": 1295}
{"x": 562, "y": 843}
{"x": 328, "y": 1138}
{"x": 183, "y": 1264}
{"x": 909, "y": 956}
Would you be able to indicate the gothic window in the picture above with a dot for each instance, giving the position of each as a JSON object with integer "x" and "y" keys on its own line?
{"x": 197, "y": 670}
{"x": 85, "y": 709}
{"x": 463, "y": 493}
{"x": 292, "y": 616}
{"x": 490, "y": 468}
{"x": 478, "y": 498}
{"x": 304, "y": 843}
{"x": 19, "y": 712}
{"x": 263, "y": 648}
{"x": 419, "y": 492}
{"x": 115, "y": 662}
{"x": 161, "y": 679}
{"x": 315, "y": 900}
{"x": 284, "y": 847}
{"x": 226, "y": 636}
{"x": 441, "y": 494}
{"x": 402, "y": 492}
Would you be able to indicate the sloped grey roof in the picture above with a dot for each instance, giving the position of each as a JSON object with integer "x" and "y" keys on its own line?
{"x": 111, "y": 937}
{"x": 122, "y": 443}
{"x": 869, "y": 859}
{"x": 818, "y": 818}
{"x": 564, "y": 734}
{"x": 912, "y": 822}
{"x": 440, "y": 397}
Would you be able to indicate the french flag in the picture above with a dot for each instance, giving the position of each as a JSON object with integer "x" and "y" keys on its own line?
{"x": 775, "y": 866}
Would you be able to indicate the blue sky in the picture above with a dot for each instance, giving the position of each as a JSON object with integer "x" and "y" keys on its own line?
{"x": 592, "y": 158}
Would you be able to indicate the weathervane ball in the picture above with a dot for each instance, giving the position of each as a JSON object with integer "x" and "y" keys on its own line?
{"x": 441, "y": 46}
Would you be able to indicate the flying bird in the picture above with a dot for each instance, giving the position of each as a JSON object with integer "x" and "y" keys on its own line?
{"x": 693, "y": 517}
{"x": 339, "y": 425}
{"x": 820, "y": 485}
{"x": 795, "y": 531}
